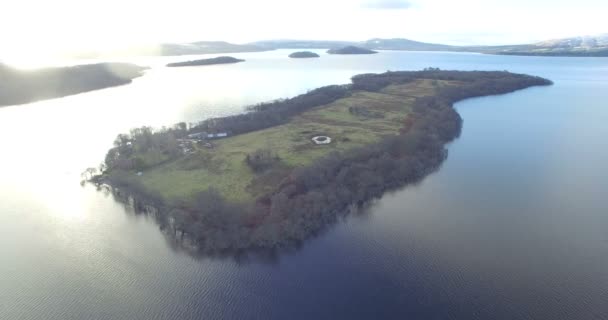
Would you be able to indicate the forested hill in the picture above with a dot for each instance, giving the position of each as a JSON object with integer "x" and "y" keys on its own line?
{"x": 24, "y": 86}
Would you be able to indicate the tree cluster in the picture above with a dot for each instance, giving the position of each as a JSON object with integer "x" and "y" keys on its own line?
{"x": 129, "y": 148}
{"x": 261, "y": 160}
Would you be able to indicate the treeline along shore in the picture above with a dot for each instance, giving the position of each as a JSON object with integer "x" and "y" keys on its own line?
{"x": 265, "y": 184}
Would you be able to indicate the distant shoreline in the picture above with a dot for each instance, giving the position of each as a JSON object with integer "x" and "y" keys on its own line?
{"x": 26, "y": 86}
{"x": 570, "y": 47}
{"x": 568, "y": 54}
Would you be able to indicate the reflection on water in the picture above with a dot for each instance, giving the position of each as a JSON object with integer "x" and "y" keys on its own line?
{"x": 181, "y": 242}
{"x": 513, "y": 226}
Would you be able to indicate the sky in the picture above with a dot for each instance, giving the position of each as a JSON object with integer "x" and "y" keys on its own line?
{"x": 60, "y": 25}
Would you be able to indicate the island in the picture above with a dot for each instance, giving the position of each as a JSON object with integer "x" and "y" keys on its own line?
{"x": 205, "y": 62}
{"x": 25, "y": 86}
{"x": 303, "y": 55}
{"x": 286, "y": 169}
{"x": 351, "y": 50}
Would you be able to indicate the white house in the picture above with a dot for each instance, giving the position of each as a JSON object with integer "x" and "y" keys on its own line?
{"x": 205, "y": 135}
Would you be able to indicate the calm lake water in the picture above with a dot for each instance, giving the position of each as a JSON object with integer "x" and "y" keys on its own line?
{"x": 513, "y": 226}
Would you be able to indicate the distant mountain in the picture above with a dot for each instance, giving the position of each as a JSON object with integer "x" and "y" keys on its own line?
{"x": 577, "y": 46}
{"x": 586, "y": 42}
{"x": 204, "y": 47}
{"x": 405, "y": 44}
{"x": 374, "y": 44}
{"x": 585, "y": 46}
{"x": 556, "y": 52}
{"x": 302, "y": 44}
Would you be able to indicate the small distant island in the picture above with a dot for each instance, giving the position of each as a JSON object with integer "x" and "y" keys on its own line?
{"x": 287, "y": 169}
{"x": 351, "y": 50}
{"x": 303, "y": 55}
{"x": 205, "y": 62}
{"x": 25, "y": 86}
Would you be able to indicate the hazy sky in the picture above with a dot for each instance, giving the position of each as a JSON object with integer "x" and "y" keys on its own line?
{"x": 61, "y": 24}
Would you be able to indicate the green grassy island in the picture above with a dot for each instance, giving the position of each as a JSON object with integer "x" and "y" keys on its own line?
{"x": 286, "y": 169}
{"x": 303, "y": 54}
{"x": 25, "y": 86}
{"x": 351, "y": 50}
{"x": 205, "y": 62}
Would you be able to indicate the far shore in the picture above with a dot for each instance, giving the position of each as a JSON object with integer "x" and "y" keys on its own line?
{"x": 26, "y": 86}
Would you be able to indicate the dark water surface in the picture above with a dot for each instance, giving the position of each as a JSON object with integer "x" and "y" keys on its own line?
{"x": 513, "y": 226}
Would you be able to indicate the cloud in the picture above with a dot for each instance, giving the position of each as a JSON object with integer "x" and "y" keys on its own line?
{"x": 387, "y": 4}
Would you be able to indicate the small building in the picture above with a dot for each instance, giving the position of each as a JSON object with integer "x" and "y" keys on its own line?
{"x": 217, "y": 135}
{"x": 198, "y": 136}
{"x": 205, "y": 135}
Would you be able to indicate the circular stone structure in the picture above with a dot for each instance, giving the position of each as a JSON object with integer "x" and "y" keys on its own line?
{"x": 321, "y": 140}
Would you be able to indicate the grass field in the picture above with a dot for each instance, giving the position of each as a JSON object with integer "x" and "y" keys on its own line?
{"x": 224, "y": 169}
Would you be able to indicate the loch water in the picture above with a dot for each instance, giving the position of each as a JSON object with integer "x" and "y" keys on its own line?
{"x": 514, "y": 225}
